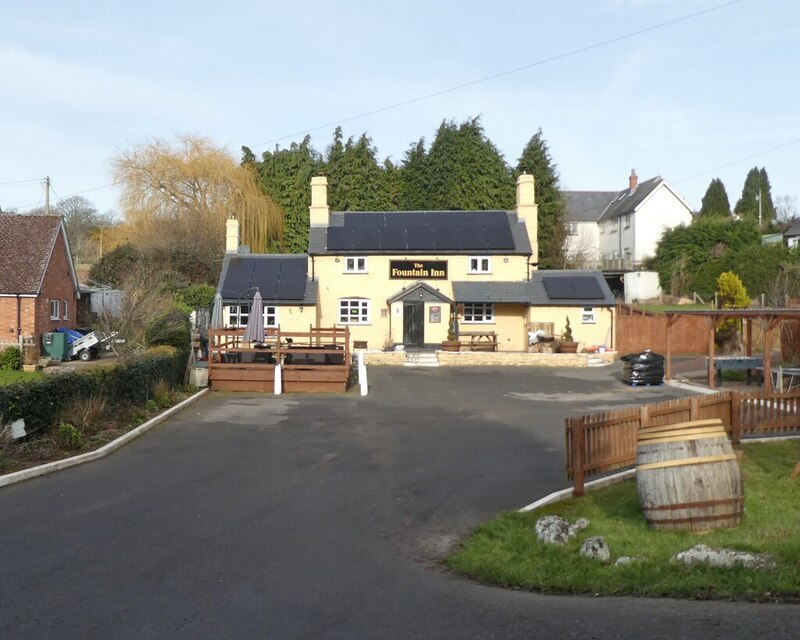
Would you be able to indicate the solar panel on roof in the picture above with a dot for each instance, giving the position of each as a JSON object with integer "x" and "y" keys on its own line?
{"x": 420, "y": 238}
{"x": 573, "y": 288}
{"x": 394, "y": 239}
{"x": 340, "y": 238}
{"x": 498, "y": 236}
{"x": 238, "y": 277}
{"x": 587, "y": 287}
{"x": 292, "y": 278}
{"x": 472, "y": 238}
{"x": 265, "y": 277}
{"x": 367, "y": 238}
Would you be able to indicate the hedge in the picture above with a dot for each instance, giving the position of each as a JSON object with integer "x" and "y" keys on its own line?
{"x": 40, "y": 402}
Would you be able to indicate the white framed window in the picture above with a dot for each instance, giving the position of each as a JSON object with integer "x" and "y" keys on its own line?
{"x": 354, "y": 311}
{"x": 572, "y": 228}
{"x": 54, "y": 308}
{"x": 270, "y": 316}
{"x": 627, "y": 222}
{"x": 480, "y": 264}
{"x": 602, "y": 227}
{"x": 588, "y": 316}
{"x": 65, "y": 310}
{"x": 236, "y": 316}
{"x": 355, "y": 264}
{"x": 478, "y": 312}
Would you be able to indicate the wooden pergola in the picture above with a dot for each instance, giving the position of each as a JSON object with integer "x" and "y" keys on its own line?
{"x": 769, "y": 320}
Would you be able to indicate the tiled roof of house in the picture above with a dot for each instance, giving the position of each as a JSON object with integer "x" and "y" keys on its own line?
{"x": 591, "y": 206}
{"x": 26, "y": 243}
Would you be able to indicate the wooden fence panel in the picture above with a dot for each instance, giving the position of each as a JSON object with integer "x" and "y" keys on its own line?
{"x": 605, "y": 442}
{"x": 688, "y": 336}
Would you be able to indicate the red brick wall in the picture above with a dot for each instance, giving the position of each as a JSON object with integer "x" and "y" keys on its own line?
{"x": 57, "y": 285}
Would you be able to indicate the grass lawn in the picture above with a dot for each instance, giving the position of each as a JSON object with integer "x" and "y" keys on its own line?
{"x": 505, "y": 552}
{"x": 674, "y": 307}
{"x": 10, "y": 377}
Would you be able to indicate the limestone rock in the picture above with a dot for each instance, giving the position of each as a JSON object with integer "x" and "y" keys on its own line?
{"x": 622, "y": 560}
{"x": 596, "y": 548}
{"x": 552, "y": 530}
{"x": 702, "y": 553}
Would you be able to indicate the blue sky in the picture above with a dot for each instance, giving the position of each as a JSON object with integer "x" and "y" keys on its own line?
{"x": 712, "y": 95}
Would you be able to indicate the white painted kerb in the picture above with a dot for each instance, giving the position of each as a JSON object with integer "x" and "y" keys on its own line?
{"x": 58, "y": 465}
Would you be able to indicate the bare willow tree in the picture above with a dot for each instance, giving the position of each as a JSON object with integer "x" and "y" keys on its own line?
{"x": 176, "y": 199}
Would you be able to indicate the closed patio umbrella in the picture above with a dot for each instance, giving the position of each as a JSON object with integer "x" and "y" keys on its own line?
{"x": 254, "y": 331}
{"x": 216, "y": 312}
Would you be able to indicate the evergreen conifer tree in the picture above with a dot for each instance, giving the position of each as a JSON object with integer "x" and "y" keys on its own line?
{"x": 715, "y": 201}
{"x": 466, "y": 171}
{"x": 536, "y": 160}
{"x": 285, "y": 175}
{"x": 356, "y": 180}
{"x": 756, "y": 185}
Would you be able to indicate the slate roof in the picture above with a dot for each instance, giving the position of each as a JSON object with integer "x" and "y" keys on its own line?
{"x": 534, "y": 291}
{"x": 593, "y": 206}
{"x": 281, "y": 279}
{"x": 792, "y": 231}
{"x": 420, "y": 232}
{"x": 26, "y": 244}
{"x": 587, "y": 206}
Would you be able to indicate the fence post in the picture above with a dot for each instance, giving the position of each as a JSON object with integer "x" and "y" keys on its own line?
{"x": 578, "y": 456}
{"x": 644, "y": 416}
{"x": 736, "y": 422}
{"x": 694, "y": 408}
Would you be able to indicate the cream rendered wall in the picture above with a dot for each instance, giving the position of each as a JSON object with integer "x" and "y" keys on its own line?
{"x": 386, "y": 325}
{"x": 660, "y": 211}
{"x": 599, "y": 333}
{"x": 296, "y": 318}
{"x": 509, "y": 325}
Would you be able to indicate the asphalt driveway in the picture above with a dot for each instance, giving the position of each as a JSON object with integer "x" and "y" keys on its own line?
{"x": 250, "y": 516}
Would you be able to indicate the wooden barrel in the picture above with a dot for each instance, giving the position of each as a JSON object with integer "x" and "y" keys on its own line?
{"x": 687, "y": 477}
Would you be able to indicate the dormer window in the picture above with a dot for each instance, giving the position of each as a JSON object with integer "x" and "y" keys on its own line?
{"x": 355, "y": 265}
{"x": 480, "y": 264}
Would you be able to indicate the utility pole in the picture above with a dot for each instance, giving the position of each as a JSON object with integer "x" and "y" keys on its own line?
{"x": 47, "y": 195}
{"x": 758, "y": 197}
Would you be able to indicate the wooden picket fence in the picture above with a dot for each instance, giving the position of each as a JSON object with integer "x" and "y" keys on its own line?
{"x": 600, "y": 443}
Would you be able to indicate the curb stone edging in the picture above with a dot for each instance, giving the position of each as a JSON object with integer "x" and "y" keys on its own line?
{"x": 58, "y": 465}
{"x": 566, "y": 494}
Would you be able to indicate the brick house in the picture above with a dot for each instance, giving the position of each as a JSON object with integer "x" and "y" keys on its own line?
{"x": 38, "y": 284}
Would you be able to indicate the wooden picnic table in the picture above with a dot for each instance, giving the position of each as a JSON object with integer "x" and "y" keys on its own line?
{"x": 478, "y": 340}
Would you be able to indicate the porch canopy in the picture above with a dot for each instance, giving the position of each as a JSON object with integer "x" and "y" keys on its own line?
{"x": 769, "y": 319}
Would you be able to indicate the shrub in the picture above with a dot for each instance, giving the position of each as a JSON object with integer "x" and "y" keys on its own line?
{"x": 86, "y": 413}
{"x": 41, "y": 402}
{"x": 162, "y": 394}
{"x": 10, "y": 358}
{"x": 69, "y": 437}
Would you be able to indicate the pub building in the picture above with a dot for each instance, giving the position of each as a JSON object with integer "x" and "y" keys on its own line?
{"x": 395, "y": 277}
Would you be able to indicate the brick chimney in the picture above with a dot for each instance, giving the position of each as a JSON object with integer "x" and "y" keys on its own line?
{"x": 319, "y": 211}
{"x": 633, "y": 181}
{"x": 232, "y": 235}
{"x": 528, "y": 211}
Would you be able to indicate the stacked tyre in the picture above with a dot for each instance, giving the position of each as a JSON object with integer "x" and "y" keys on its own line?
{"x": 643, "y": 368}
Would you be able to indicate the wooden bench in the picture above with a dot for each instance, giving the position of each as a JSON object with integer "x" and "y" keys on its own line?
{"x": 478, "y": 340}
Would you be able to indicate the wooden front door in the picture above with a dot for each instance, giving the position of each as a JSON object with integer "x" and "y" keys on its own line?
{"x": 413, "y": 324}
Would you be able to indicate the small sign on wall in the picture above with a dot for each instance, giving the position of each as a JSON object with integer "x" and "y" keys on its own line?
{"x": 435, "y": 314}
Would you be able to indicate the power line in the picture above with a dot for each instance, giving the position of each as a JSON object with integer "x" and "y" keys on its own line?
{"x": 734, "y": 162}
{"x": 538, "y": 63}
{"x": 20, "y": 182}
